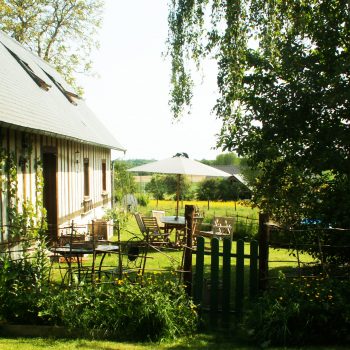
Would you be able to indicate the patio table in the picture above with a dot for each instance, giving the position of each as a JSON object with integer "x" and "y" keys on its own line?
{"x": 175, "y": 222}
{"x": 68, "y": 252}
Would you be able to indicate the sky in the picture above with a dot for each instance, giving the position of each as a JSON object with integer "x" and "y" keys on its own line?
{"x": 131, "y": 92}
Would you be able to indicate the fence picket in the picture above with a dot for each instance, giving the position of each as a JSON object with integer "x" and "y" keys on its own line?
{"x": 226, "y": 278}
{"x": 253, "y": 271}
{"x": 214, "y": 287}
{"x": 239, "y": 277}
{"x": 199, "y": 277}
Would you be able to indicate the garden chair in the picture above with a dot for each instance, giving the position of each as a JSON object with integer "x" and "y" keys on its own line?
{"x": 154, "y": 232}
{"x": 221, "y": 227}
{"x": 140, "y": 223}
{"x": 158, "y": 214}
{"x": 131, "y": 262}
{"x": 197, "y": 225}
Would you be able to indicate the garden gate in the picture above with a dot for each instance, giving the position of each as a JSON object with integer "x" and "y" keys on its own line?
{"x": 229, "y": 284}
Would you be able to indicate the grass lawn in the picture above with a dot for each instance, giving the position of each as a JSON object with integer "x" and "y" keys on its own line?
{"x": 170, "y": 259}
{"x": 199, "y": 342}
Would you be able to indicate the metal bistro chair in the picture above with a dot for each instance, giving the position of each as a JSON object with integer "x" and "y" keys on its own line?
{"x": 154, "y": 232}
{"x": 132, "y": 261}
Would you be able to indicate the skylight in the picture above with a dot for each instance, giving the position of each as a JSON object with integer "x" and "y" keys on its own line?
{"x": 40, "y": 82}
{"x": 70, "y": 96}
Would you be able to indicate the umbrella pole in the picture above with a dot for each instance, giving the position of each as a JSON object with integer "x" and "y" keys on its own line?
{"x": 177, "y": 194}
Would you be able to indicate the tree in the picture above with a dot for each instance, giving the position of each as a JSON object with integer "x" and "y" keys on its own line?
{"x": 62, "y": 32}
{"x": 124, "y": 182}
{"x": 157, "y": 186}
{"x": 283, "y": 78}
{"x": 167, "y": 184}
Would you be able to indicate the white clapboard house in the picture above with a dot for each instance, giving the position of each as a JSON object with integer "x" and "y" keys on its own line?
{"x": 42, "y": 121}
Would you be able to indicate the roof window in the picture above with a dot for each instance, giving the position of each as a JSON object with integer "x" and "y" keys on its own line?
{"x": 40, "y": 82}
{"x": 70, "y": 96}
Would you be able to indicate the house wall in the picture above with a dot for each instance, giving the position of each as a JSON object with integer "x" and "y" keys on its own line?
{"x": 71, "y": 203}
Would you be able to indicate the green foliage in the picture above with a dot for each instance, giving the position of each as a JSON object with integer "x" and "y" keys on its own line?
{"x": 56, "y": 30}
{"x": 118, "y": 215}
{"x": 157, "y": 186}
{"x": 302, "y": 312}
{"x": 173, "y": 182}
{"x": 17, "y": 291}
{"x": 142, "y": 200}
{"x": 124, "y": 182}
{"x": 335, "y": 244}
{"x": 283, "y": 79}
{"x": 22, "y": 282}
{"x": 221, "y": 189}
{"x": 152, "y": 311}
{"x": 227, "y": 159}
{"x": 168, "y": 184}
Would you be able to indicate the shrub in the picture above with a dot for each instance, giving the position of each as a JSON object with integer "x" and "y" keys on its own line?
{"x": 302, "y": 312}
{"x": 123, "y": 310}
{"x": 142, "y": 200}
{"x": 19, "y": 291}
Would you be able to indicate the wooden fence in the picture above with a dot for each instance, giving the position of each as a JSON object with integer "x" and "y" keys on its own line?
{"x": 224, "y": 295}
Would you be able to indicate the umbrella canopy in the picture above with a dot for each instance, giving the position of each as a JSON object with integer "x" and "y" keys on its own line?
{"x": 180, "y": 166}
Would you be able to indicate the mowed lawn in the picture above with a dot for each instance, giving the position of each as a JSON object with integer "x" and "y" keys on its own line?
{"x": 168, "y": 259}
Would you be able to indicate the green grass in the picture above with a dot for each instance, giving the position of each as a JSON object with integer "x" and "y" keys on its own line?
{"x": 199, "y": 342}
{"x": 170, "y": 259}
{"x": 208, "y": 210}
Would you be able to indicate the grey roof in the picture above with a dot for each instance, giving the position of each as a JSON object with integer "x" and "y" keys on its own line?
{"x": 23, "y": 104}
{"x": 231, "y": 169}
{"x": 234, "y": 171}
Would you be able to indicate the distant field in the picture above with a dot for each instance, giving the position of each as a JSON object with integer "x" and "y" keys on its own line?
{"x": 208, "y": 209}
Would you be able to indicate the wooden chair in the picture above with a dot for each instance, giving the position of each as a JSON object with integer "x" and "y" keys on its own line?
{"x": 140, "y": 223}
{"x": 158, "y": 214}
{"x": 153, "y": 231}
{"x": 197, "y": 225}
{"x": 221, "y": 227}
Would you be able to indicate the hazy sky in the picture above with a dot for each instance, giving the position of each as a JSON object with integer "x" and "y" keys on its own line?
{"x": 130, "y": 95}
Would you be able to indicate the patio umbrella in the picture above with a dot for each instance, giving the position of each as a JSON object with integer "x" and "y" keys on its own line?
{"x": 180, "y": 165}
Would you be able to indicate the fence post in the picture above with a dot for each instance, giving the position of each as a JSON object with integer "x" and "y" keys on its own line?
{"x": 189, "y": 214}
{"x": 264, "y": 233}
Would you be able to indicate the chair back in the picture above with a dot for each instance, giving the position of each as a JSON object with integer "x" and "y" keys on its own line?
{"x": 134, "y": 255}
{"x": 197, "y": 222}
{"x": 151, "y": 224}
{"x": 153, "y": 231}
{"x": 223, "y": 226}
{"x": 140, "y": 223}
{"x": 158, "y": 214}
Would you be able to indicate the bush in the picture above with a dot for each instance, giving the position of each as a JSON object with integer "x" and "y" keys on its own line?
{"x": 123, "y": 311}
{"x": 142, "y": 200}
{"x": 302, "y": 312}
{"x": 19, "y": 291}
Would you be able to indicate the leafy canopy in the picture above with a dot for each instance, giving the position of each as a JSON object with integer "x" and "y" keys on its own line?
{"x": 283, "y": 78}
{"x": 62, "y": 32}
